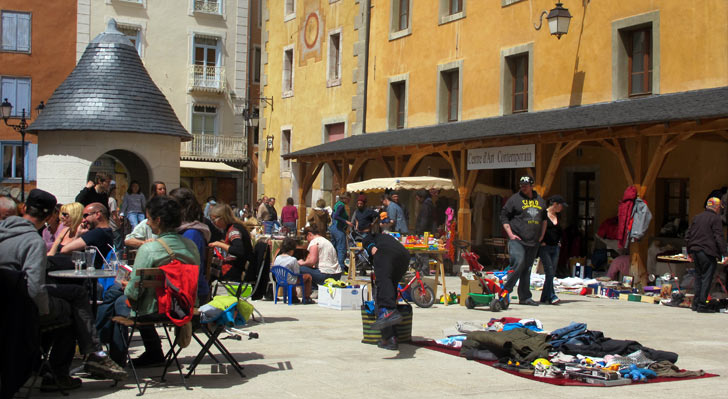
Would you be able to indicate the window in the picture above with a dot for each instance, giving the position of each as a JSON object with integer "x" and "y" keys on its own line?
{"x": 452, "y": 83}
{"x": 206, "y": 53}
{"x": 289, "y": 9}
{"x": 256, "y": 64}
{"x": 17, "y": 91}
{"x": 455, "y": 6}
{"x": 518, "y": 67}
{"x": 285, "y": 149}
{"x": 208, "y": 6}
{"x": 673, "y": 197}
{"x": 401, "y": 19}
{"x": 636, "y": 56}
{"x": 399, "y": 97}
{"x": 12, "y": 161}
{"x": 288, "y": 72}
{"x": 204, "y": 119}
{"x": 640, "y": 61}
{"x": 16, "y": 31}
{"x": 133, "y": 33}
{"x": 451, "y": 10}
{"x": 207, "y": 72}
{"x": 334, "y": 70}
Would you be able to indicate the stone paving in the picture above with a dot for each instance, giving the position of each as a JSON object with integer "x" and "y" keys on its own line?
{"x": 313, "y": 352}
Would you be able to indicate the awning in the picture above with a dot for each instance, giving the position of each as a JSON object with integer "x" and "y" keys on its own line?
{"x": 216, "y": 166}
{"x": 401, "y": 183}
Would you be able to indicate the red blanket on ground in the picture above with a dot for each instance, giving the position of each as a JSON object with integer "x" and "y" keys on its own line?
{"x": 554, "y": 381}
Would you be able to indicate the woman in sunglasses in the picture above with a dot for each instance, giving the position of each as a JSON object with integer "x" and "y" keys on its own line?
{"x": 71, "y": 218}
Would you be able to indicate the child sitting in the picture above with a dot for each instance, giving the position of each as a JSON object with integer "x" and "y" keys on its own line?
{"x": 287, "y": 260}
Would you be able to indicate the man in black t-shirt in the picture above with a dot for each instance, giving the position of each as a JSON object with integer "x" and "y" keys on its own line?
{"x": 96, "y": 190}
{"x": 97, "y": 233}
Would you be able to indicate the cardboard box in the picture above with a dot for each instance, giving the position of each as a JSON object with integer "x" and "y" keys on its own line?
{"x": 341, "y": 298}
{"x": 468, "y": 286}
{"x": 650, "y": 299}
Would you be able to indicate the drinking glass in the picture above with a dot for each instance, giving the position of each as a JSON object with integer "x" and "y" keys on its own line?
{"x": 78, "y": 258}
{"x": 90, "y": 257}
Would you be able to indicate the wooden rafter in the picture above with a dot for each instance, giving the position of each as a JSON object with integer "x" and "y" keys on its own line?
{"x": 412, "y": 162}
{"x": 559, "y": 153}
{"x": 616, "y": 147}
{"x": 449, "y": 157}
{"x": 355, "y": 169}
{"x": 385, "y": 166}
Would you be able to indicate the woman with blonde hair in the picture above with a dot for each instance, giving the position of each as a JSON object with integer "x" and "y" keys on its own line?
{"x": 237, "y": 248}
{"x": 71, "y": 218}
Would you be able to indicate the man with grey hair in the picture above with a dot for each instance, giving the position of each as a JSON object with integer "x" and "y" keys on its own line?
{"x": 8, "y": 207}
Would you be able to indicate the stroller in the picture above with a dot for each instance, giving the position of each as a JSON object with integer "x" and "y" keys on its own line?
{"x": 491, "y": 282}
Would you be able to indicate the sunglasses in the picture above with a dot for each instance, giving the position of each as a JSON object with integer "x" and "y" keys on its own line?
{"x": 85, "y": 215}
{"x": 64, "y": 214}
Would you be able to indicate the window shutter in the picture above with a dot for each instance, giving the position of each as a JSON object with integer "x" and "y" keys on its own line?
{"x": 10, "y": 29}
{"x": 23, "y": 37}
{"x": 22, "y": 97}
{"x": 31, "y": 162}
{"x": 9, "y": 91}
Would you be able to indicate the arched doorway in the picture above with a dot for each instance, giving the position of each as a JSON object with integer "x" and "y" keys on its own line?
{"x": 124, "y": 166}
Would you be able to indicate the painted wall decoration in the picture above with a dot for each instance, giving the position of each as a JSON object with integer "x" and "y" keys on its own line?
{"x": 311, "y": 32}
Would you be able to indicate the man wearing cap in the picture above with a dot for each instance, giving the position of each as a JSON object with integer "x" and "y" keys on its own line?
{"x": 363, "y": 216}
{"x": 96, "y": 190}
{"x": 523, "y": 220}
{"x": 23, "y": 249}
{"x": 705, "y": 245}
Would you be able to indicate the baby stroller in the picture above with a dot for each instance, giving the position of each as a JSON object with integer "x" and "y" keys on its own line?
{"x": 491, "y": 282}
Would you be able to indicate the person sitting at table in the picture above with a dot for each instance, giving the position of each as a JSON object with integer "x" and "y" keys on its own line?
{"x": 23, "y": 249}
{"x": 140, "y": 235}
{"x": 195, "y": 229}
{"x": 71, "y": 218}
{"x": 99, "y": 234}
{"x": 164, "y": 216}
{"x": 321, "y": 262}
{"x": 237, "y": 247}
{"x": 286, "y": 259}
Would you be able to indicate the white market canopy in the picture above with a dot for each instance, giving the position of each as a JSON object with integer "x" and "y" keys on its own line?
{"x": 401, "y": 183}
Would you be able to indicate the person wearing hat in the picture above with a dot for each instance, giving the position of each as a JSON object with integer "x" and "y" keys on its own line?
{"x": 705, "y": 245}
{"x": 23, "y": 249}
{"x": 363, "y": 216}
{"x": 523, "y": 220}
{"x": 550, "y": 246}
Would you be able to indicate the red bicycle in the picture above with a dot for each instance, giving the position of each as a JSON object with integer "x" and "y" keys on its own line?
{"x": 422, "y": 294}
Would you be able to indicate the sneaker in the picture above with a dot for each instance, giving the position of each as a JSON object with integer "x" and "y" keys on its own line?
{"x": 60, "y": 383}
{"x": 387, "y": 317}
{"x": 705, "y": 309}
{"x": 389, "y": 344}
{"x": 148, "y": 360}
{"x": 529, "y": 302}
{"x": 103, "y": 365}
{"x": 555, "y": 300}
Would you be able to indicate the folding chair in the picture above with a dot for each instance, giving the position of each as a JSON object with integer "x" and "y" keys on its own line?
{"x": 281, "y": 277}
{"x": 151, "y": 279}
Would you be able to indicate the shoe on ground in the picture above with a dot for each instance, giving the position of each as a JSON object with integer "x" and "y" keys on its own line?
{"x": 705, "y": 309}
{"x": 555, "y": 300}
{"x": 387, "y": 317}
{"x": 389, "y": 344}
{"x": 60, "y": 383}
{"x": 148, "y": 360}
{"x": 314, "y": 294}
{"x": 529, "y": 302}
{"x": 104, "y": 366}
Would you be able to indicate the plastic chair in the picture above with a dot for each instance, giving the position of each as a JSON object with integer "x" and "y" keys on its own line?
{"x": 281, "y": 275}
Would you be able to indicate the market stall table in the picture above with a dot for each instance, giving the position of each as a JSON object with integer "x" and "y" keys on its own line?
{"x": 681, "y": 259}
{"x": 87, "y": 274}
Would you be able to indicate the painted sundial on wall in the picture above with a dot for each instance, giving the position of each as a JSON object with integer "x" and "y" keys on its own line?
{"x": 311, "y": 30}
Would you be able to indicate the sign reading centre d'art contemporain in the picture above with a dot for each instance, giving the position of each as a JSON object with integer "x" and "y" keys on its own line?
{"x": 516, "y": 156}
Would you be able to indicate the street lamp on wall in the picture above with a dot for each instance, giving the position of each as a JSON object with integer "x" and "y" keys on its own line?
{"x": 269, "y": 143}
{"x": 558, "y": 19}
{"x": 6, "y": 109}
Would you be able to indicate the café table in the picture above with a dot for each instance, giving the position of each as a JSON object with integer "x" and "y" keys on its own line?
{"x": 87, "y": 274}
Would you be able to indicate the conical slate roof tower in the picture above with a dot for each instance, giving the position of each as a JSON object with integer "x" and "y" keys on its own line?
{"x": 110, "y": 91}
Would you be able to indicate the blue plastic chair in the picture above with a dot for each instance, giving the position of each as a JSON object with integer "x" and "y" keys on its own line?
{"x": 281, "y": 275}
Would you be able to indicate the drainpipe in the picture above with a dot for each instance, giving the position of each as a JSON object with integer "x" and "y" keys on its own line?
{"x": 366, "y": 65}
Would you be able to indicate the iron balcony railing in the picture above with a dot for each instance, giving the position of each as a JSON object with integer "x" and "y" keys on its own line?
{"x": 211, "y": 147}
{"x": 208, "y": 6}
{"x": 207, "y": 78}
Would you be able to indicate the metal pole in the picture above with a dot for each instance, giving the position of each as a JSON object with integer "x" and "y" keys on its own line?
{"x": 22, "y": 156}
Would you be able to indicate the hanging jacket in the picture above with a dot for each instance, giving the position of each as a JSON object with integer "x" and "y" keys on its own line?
{"x": 641, "y": 218}
{"x": 624, "y": 213}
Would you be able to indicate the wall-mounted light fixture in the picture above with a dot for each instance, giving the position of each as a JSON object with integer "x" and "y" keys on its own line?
{"x": 558, "y": 19}
{"x": 252, "y": 115}
{"x": 269, "y": 143}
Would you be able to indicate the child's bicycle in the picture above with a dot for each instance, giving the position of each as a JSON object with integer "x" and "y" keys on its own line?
{"x": 491, "y": 282}
{"x": 422, "y": 294}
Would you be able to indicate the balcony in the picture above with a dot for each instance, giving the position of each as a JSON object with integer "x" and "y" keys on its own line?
{"x": 206, "y": 78}
{"x": 210, "y": 147}
{"x": 208, "y": 6}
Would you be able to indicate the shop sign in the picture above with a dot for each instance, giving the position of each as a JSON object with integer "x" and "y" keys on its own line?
{"x": 516, "y": 156}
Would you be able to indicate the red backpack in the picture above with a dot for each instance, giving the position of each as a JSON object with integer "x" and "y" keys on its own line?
{"x": 177, "y": 297}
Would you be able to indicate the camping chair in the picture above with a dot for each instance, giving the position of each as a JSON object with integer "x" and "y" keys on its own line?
{"x": 151, "y": 279}
{"x": 281, "y": 280}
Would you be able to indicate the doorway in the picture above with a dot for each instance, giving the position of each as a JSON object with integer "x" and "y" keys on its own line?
{"x": 584, "y": 209}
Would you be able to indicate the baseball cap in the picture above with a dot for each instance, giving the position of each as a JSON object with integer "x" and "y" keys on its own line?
{"x": 557, "y": 199}
{"x": 525, "y": 180}
{"x": 42, "y": 200}
{"x": 712, "y": 201}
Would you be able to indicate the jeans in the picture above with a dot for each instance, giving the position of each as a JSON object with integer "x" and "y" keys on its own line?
{"x": 705, "y": 266}
{"x": 549, "y": 255}
{"x": 82, "y": 317}
{"x": 317, "y": 277}
{"x": 522, "y": 257}
{"x": 338, "y": 238}
{"x": 63, "y": 340}
{"x": 134, "y": 218}
{"x": 291, "y": 226}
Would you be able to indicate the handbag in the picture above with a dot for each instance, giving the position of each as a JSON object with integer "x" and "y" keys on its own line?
{"x": 403, "y": 330}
